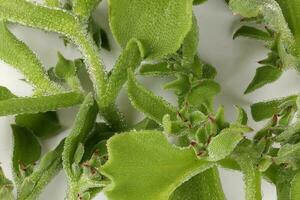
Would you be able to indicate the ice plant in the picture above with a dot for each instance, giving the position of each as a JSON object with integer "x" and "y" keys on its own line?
{"x": 172, "y": 154}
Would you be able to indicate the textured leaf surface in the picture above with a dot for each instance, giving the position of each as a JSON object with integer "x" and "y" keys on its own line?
{"x": 6, "y": 187}
{"x": 264, "y": 110}
{"x": 49, "y": 166}
{"x": 41, "y": 124}
{"x": 27, "y": 150}
{"x": 295, "y": 187}
{"x": 84, "y": 8}
{"x": 147, "y": 157}
{"x": 142, "y": 99}
{"x": 161, "y": 25}
{"x": 204, "y": 186}
{"x": 223, "y": 144}
{"x": 16, "y": 53}
{"x": 83, "y": 124}
{"x": 24, "y": 105}
{"x": 263, "y": 76}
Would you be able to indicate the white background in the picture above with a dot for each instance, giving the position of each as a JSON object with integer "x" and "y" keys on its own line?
{"x": 235, "y": 61}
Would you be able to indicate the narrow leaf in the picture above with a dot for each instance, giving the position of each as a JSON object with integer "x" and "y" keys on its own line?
{"x": 145, "y": 101}
{"x": 17, "y": 54}
{"x": 156, "y": 69}
{"x": 295, "y": 187}
{"x": 24, "y": 105}
{"x": 84, "y": 8}
{"x": 6, "y": 187}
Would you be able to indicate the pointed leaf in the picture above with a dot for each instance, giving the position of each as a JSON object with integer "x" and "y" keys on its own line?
{"x": 84, "y": 8}
{"x": 264, "y": 110}
{"x": 83, "y": 124}
{"x": 162, "y": 166}
{"x": 5, "y": 93}
{"x": 152, "y": 106}
{"x": 156, "y": 69}
{"x": 251, "y": 32}
{"x": 6, "y": 187}
{"x": 295, "y": 187}
{"x": 264, "y": 75}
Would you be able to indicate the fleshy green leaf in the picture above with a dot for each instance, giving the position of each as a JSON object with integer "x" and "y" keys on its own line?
{"x": 83, "y": 125}
{"x": 65, "y": 68}
{"x": 5, "y": 94}
{"x": 190, "y": 44}
{"x": 156, "y": 69}
{"x": 251, "y": 32}
{"x": 26, "y": 151}
{"x": 242, "y": 117}
{"x": 162, "y": 25}
{"x": 289, "y": 154}
{"x": 49, "y": 166}
{"x": 264, "y": 110}
{"x": 224, "y": 144}
{"x": 41, "y": 124}
{"x": 204, "y": 186}
{"x": 53, "y": 3}
{"x": 203, "y": 93}
{"x": 142, "y": 99}
{"x": 83, "y": 8}
{"x": 295, "y": 187}
{"x": 147, "y": 157}
{"x": 6, "y": 187}
{"x": 263, "y": 76}
{"x": 17, "y": 54}
{"x": 24, "y": 105}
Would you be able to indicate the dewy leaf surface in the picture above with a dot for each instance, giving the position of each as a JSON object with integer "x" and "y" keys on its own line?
{"x": 144, "y": 100}
{"x": 161, "y": 26}
{"x": 151, "y": 169}
{"x": 24, "y": 105}
{"x": 16, "y": 53}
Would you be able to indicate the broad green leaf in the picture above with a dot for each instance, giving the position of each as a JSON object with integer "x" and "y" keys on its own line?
{"x": 203, "y": 93}
{"x": 41, "y": 124}
{"x": 251, "y": 32}
{"x": 208, "y": 71}
{"x": 25, "y": 105}
{"x": 264, "y": 75}
{"x": 224, "y": 144}
{"x": 267, "y": 109}
{"x": 204, "y": 186}
{"x": 6, "y": 187}
{"x": 84, "y": 8}
{"x": 5, "y": 94}
{"x": 26, "y": 151}
{"x": 161, "y": 25}
{"x": 156, "y": 69}
{"x": 147, "y": 157}
{"x": 17, "y": 54}
{"x": 295, "y": 187}
{"x": 145, "y": 101}
{"x": 289, "y": 132}
{"x": 49, "y": 166}
{"x": 190, "y": 44}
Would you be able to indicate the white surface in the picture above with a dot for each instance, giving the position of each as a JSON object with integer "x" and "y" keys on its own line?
{"x": 234, "y": 60}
